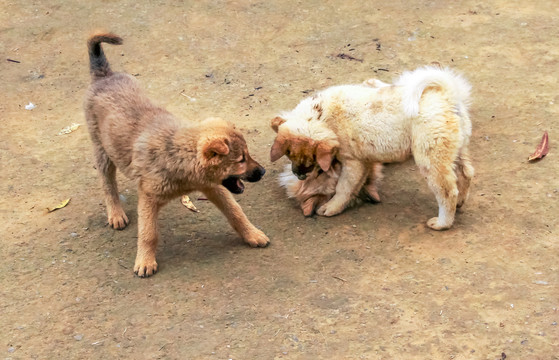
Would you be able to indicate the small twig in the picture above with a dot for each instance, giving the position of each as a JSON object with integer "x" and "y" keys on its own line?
{"x": 164, "y": 346}
{"x": 348, "y": 57}
{"x": 14, "y": 61}
{"x": 124, "y": 332}
{"x": 122, "y": 265}
{"x": 188, "y": 97}
{"x": 339, "y": 278}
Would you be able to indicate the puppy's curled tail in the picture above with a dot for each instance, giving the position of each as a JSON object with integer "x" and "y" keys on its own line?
{"x": 98, "y": 64}
{"x": 289, "y": 181}
{"x": 415, "y": 82}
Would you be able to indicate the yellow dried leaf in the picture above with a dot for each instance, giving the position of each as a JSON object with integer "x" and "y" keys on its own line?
{"x": 185, "y": 200}
{"x": 59, "y": 206}
{"x": 68, "y": 129}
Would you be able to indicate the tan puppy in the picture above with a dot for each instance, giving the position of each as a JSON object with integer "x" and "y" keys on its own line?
{"x": 320, "y": 186}
{"x": 424, "y": 115}
{"x": 167, "y": 158}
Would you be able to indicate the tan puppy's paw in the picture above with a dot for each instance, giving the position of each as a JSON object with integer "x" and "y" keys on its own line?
{"x": 435, "y": 224}
{"x": 330, "y": 209}
{"x": 257, "y": 238}
{"x": 118, "y": 219}
{"x": 145, "y": 267}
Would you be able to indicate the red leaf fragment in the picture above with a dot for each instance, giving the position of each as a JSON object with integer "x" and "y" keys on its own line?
{"x": 541, "y": 150}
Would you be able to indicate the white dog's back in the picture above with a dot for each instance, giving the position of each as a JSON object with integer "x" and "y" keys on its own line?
{"x": 415, "y": 82}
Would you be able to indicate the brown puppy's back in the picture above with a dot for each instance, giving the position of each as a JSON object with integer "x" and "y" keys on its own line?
{"x": 116, "y": 108}
{"x": 118, "y": 105}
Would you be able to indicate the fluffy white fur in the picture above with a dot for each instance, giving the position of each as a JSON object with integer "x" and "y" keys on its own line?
{"x": 424, "y": 115}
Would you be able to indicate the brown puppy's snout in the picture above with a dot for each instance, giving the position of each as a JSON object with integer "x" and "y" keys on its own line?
{"x": 256, "y": 174}
{"x": 255, "y": 171}
{"x": 301, "y": 170}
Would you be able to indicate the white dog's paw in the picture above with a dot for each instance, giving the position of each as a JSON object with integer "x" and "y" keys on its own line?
{"x": 329, "y": 209}
{"x": 435, "y": 224}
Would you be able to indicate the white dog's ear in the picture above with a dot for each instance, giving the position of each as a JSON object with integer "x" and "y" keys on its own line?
{"x": 213, "y": 147}
{"x": 325, "y": 153}
{"x": 276, "y": 122}
{"x": 278, "y": 149}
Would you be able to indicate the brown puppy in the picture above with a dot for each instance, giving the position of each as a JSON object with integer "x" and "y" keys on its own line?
{"x": 167, "y": 158}
{"x": 319, "y": 187}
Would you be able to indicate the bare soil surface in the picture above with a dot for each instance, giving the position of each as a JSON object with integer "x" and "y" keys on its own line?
{"x": 371, "y": 283}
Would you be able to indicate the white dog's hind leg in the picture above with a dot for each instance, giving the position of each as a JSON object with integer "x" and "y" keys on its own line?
{"x": 351, "y": 181}
{"x": 442, "y": 181}
{"x": 464, "y": 173}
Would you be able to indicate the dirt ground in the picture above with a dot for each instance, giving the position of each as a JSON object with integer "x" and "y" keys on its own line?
{"x": 372, "y": 283}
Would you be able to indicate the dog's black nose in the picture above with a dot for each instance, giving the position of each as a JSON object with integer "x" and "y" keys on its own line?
{"x": 301, "y": 171}
{"x": 256, "y": 174}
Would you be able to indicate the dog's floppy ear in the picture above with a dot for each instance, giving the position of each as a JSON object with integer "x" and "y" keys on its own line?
{"x": 276, "y": 122}
{"x": 213, "y": 147}
{"x": 278, "y": 149}
{"x": 325, "y": 153}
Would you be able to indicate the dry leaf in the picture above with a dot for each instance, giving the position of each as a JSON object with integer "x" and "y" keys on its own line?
{"x": 185, "y": 200}
{"x": 59, "y": 206}
{"x": 68, "y": 129}
{"x": 542, "y": 149}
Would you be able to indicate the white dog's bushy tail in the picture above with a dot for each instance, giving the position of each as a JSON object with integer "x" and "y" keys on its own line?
{"x": 415, "y": 82}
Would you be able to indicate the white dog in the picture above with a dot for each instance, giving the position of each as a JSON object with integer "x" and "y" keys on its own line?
{"x": 424, "y": 115}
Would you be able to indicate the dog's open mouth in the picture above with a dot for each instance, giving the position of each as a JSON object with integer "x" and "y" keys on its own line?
{"x": 234, "y": 184}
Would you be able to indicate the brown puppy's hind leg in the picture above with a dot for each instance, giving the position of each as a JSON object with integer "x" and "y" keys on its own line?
{"x": 116, "y": 216}
{"x": 227, "y": 204}
{"x": 148, "y": 237}
{"x": 371, "y": 185}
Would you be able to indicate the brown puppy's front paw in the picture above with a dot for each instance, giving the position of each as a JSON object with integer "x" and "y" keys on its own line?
{"x": 145, "y": 267}
{"x": 118, "y": 219}
{"x": 435, "y": 224}
{"x": 371, "y": 193}
{"x": 257, "y": 238}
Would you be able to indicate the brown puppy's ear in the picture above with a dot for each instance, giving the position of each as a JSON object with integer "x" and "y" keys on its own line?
{"x": 215, "y": 147}
{"x": 278, "y": 149}
{"x": 276, "y": 122}
{"x": 325, "y": 153}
